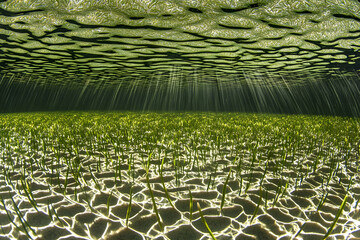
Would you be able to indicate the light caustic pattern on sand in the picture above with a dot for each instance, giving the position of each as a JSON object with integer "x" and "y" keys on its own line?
{"x": 73, "y": 176}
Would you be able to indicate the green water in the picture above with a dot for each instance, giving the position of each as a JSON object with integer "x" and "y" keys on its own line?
{"x": 263, "y": 56}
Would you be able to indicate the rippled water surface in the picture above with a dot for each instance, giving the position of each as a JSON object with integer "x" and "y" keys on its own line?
{"x": 115, "y": 38}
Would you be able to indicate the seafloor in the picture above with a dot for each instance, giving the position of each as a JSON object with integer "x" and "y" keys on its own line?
{"x": 79, "y": 175}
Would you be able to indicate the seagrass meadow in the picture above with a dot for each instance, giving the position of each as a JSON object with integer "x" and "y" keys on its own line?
{"x": 111, "y": 175}
{"x": 179, "y": 119}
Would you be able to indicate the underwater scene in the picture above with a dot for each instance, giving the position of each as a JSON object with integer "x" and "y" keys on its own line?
{"x": 179, "y": 119}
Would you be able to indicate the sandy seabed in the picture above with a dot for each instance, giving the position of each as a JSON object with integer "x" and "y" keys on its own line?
{"x": 264, "y": 196}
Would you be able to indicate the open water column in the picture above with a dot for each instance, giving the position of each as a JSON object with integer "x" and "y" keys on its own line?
{"x": 179, "y": 119}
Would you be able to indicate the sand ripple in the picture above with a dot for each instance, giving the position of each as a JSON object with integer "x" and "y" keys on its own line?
{"x": 216, "y": 224}
{"x": 125, "y": 234}
{"x": 260, "y": 232}
{"x": 38, "y": 219}
{"x": 54, "y": 232}
{"x": 184, "y": 232}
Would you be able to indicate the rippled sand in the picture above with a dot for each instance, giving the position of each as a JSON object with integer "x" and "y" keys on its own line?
{"x": 93, "y": 219}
